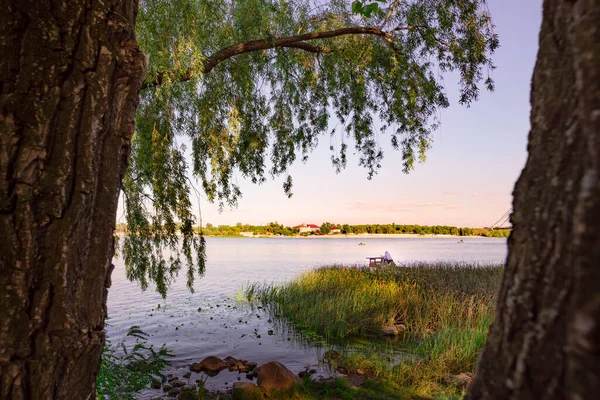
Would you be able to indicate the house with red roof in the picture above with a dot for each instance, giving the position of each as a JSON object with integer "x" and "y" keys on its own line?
{"x": 307, "y": 228}
{"x": 335, "y": 230}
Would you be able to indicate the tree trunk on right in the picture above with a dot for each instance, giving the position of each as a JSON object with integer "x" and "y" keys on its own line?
{"x": 545, "y": 340}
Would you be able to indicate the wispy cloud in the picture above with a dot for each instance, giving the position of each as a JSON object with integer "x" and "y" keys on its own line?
{"x": 431, "y": 204}
{"x": 473, "y": 194}
{"x": 396, "y": 207}
{"x": 451, "y": 207}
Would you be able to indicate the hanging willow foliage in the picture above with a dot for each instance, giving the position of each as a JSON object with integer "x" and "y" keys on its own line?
{"x": 253, "y": 84}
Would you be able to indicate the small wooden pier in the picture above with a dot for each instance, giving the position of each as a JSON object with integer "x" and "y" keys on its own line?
{"x": 375, "y": 261}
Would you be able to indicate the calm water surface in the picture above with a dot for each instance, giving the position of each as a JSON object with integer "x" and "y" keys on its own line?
{"x": 211, "y": 322}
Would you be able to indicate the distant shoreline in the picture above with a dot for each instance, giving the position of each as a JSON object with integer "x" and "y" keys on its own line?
{"x": 342, "y": 236}
{"x": 355, "y": 236}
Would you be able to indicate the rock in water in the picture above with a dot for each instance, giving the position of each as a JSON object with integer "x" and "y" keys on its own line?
{"x": 236, "y": 365}
{"x": 274, "y": 375}
{"x": 251, "y": 365}
{"x": 210, "y": 364}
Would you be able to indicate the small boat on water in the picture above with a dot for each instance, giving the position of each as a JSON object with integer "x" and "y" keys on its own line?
{"x": 361, "y": 244}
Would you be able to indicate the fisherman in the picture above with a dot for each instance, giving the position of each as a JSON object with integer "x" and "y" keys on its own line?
{"x": 387, "y": 258}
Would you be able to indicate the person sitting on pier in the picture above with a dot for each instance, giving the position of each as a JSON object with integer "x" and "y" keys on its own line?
{"x": 387, "y": 258}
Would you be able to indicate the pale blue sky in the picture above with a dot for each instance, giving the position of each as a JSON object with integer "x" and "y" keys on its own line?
{"x": 468, "y": 178}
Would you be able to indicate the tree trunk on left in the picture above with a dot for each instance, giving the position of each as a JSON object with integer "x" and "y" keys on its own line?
{"x": 70, "y": 73}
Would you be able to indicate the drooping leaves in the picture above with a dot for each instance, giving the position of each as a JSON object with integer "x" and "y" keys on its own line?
{"x": 252, "y": 109}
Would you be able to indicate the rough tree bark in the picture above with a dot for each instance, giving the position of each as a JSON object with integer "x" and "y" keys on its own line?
{"x": 70, "y": 73}
{"x": 545, "y": 340}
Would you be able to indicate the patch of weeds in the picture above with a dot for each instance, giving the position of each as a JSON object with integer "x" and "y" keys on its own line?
{"x": 127, "y": 370}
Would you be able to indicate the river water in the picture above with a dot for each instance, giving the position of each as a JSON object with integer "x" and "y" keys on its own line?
{"x": 211, "y": 321}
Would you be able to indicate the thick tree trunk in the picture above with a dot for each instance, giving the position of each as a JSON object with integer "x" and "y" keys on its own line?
{"x": 545, "y": 340}
{"x": 70, "y": 72}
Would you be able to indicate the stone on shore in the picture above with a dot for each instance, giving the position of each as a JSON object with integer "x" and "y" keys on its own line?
{"x": 275, "y": 376}
{"x": 236, "y": 365}
{"x": 247, "y": 391}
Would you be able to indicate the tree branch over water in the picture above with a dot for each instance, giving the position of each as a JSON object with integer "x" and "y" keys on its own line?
{"x": 296, "y": 41}
{"x": 301, "y": 71}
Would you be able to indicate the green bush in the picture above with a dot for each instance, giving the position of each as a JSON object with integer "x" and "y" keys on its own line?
{"x": 125, "y": 371}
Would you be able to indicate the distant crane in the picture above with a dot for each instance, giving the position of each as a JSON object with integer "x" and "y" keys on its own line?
{"x": 502, "y": 220}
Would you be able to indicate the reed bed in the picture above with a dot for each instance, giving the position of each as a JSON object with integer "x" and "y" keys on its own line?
{"x": 352, "y": 301}
{"x": 446, "y": 309}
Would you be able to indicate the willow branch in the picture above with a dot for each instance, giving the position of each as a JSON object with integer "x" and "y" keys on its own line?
{"x": 255, "y": 45}
{"x": 389, "y": 14}
{"x": 296, "y": 41}
{"x": 308, "y": 47}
